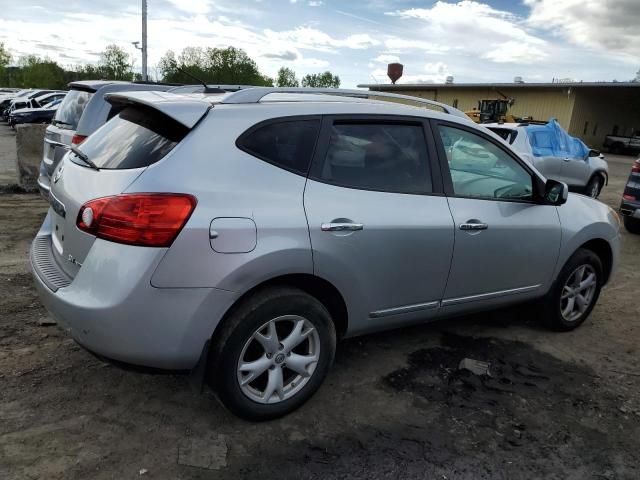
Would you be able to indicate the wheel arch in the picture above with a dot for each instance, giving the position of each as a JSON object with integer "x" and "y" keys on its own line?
{"x": 601, "y": 248}
{"x": 601, "y": 173}
{"x": 324, "y": 291}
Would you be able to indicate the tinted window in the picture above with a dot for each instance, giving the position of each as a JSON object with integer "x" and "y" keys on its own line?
{"x": 377, "y": 156}
{"x": 287, "y": 144}
{"x": 136, "y": 137}
{"x": 70, "y": 111}
{"x": 479, "y": 168}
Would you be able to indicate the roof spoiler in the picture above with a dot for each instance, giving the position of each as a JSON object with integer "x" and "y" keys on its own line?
{"x": 184, "y": 110}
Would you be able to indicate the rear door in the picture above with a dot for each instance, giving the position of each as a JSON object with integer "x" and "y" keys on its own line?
{"x": 380, "y": 228}
{"x": 506, "y": 245}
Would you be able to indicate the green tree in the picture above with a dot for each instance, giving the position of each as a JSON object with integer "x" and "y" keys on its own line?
{"x": 212, "y": 65}
{"x": 36, "y": 72}
{"x": 5, "y": 56}
{"x": 115, "y": 64}
{"x": 321, "y": 80}
{"x": 286, "y": 78}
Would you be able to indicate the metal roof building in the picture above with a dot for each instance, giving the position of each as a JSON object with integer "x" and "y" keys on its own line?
{"x": 588, "y": 110}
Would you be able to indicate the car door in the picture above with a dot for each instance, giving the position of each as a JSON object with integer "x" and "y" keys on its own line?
{"x": 379, "y": 225}
{"x": 506, "y": 244}
{"x": 575, "y": 165}
{"x": 546, "y": 158}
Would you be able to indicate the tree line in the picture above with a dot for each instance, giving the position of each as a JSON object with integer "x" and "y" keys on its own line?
{"x": 211, "y": 65}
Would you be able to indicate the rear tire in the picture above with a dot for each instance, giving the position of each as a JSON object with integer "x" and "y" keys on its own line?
{"x": 257, "y": 371}
{"x": 632, "y": 225}
{"x": 574, "y": 293}
{"x": 594, "y": 187}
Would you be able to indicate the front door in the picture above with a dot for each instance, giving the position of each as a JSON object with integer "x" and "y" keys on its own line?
{"x": 379, "y": 230}
{"x": 506, "y": 245}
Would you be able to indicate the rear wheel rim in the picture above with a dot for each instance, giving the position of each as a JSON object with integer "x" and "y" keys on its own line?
{"x": 278, "y": 359}
{"x": 578, "y": 293}
{"x": 595, "y": 189}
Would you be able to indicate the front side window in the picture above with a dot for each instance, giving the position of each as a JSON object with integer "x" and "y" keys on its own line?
{"x": 288, "y": 144}
{"x": 479, "y": 168}
{"x": 387, "y": 157}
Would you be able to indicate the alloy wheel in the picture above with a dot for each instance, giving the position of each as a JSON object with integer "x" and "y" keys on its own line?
{"x": 578, "y": 292}
{"x": 278, "y": 360}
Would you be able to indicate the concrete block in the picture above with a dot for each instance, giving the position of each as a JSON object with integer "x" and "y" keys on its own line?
{"x": 29, "y": 141}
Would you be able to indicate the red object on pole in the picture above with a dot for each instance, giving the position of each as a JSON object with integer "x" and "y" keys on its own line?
{"x": 394, "y": 71}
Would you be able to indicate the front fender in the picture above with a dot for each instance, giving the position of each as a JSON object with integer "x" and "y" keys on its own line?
{"x": 584, "y": 219}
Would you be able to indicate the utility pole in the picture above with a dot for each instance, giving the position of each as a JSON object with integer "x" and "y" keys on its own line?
{"x": 144, "y": 40}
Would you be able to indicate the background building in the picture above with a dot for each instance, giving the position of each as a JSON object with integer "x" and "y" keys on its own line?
{"x": 586, "y": 110}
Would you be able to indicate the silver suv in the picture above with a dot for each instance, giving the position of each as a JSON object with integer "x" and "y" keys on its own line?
{"x": 556, "y": 154}
{"x": 241, "y": 234}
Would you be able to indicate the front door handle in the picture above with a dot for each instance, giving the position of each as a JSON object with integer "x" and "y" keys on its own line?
{"x": 567, "y": 159}
{"x": 473, "y": 226}
{"x": 341, "y": 227}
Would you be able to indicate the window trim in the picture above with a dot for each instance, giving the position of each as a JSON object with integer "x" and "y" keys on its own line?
{"x": 323, "y": 144}
{"x": 269, "y": 121}
{"x": 536, "y": 181}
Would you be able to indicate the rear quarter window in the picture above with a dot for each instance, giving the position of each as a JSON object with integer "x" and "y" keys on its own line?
{"x": 136, "y": 137}
{"x": 288, "y": 144}
{"x": 71, "y": 108}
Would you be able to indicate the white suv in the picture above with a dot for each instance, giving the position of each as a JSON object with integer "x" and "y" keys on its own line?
{"x": 556, "y": 154}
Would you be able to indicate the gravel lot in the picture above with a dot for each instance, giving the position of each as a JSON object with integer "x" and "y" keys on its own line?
{"x": 394, "y": 406}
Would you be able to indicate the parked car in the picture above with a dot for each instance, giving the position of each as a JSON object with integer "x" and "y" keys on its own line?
{"x": 240, "y": 234}
{"x": 620, "y": 144}
{"x": 556, "y": 154}
{"x": 43, "y": 114}
{"x": 630, "y": 206}
{"x": 24, "y": 101}
{"x": 83, "y": 111}
{"x": 5, "y": 101}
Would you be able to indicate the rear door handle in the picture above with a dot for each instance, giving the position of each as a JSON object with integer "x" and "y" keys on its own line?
{"x": 341, "y": 227}
{"x": 473, "y": 226}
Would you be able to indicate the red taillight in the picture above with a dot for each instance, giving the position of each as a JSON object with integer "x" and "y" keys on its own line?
{"x": 78, "y": 139}
{"x": 629, "y": 197}
{"x": 145, "y": 219}
{"x": 636, "y": 166}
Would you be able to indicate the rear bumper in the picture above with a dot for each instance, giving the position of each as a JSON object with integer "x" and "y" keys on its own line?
{"x": 110, "y": 308}
{"x": 630, "y": 209}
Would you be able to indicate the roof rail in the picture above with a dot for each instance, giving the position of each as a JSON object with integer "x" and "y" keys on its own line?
{"x": 254, "y": 95}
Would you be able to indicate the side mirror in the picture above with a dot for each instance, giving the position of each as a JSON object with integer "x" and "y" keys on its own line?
{"x": 594, "y": 153}
{"x": 555, "y": 193}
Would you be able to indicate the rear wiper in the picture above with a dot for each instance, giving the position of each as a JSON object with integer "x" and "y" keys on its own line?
{"x": 83, "y": 156}
{"x": 61, "y": 122}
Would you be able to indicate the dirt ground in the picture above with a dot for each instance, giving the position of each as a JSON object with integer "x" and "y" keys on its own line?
{"x": 563, "y": 406}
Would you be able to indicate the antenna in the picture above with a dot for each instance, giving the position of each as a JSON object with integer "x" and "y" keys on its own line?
{"x": 207, "y": 88}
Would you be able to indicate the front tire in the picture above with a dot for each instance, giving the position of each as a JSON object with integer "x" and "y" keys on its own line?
{"x": 632, "y": 225}
{"x": 594, "y": 187}
{"x": 575, "y": 292}
{"x": 273, "y": 353}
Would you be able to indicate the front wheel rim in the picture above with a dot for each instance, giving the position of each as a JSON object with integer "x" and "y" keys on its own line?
{"x": 595, "y": 190}
{"x": 278, "y": 359}
{"x": 578, "y": 293}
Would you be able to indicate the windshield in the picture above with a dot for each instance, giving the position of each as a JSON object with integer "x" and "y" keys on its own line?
{"x": 136, "y": 137}
{"x": 70, "y": 111}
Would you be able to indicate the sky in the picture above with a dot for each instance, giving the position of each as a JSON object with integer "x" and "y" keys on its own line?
{"x": 473, "y": 41}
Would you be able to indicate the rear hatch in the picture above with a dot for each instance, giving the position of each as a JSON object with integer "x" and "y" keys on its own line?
{"x": 62, "y": 129}
{"x": 120, "y": 151}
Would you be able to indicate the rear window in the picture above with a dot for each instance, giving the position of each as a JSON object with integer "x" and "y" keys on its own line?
{"x": 288, "y": 144}
{"x": 507, "y": 134}
{"x": 136, "y": 137}
{"x": 70, "y": 111}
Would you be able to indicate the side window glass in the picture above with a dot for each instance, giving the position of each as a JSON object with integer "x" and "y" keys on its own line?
{"x": 287, "y": 144}
{"x": 479, "y": 168}
{"x": 387, "y": 157}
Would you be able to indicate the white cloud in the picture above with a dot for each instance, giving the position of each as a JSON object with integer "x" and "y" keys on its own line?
{"x": 386, "y": 58}
{"x": 477, "y": 27}
{"x": 192, "y": 6}
{"x": 315, "y": 3}
{"x": 314, "y": 39}
{"x": 610, "y": 25}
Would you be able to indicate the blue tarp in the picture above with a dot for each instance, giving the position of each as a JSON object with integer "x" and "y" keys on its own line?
{"x": 551, "y": 140}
